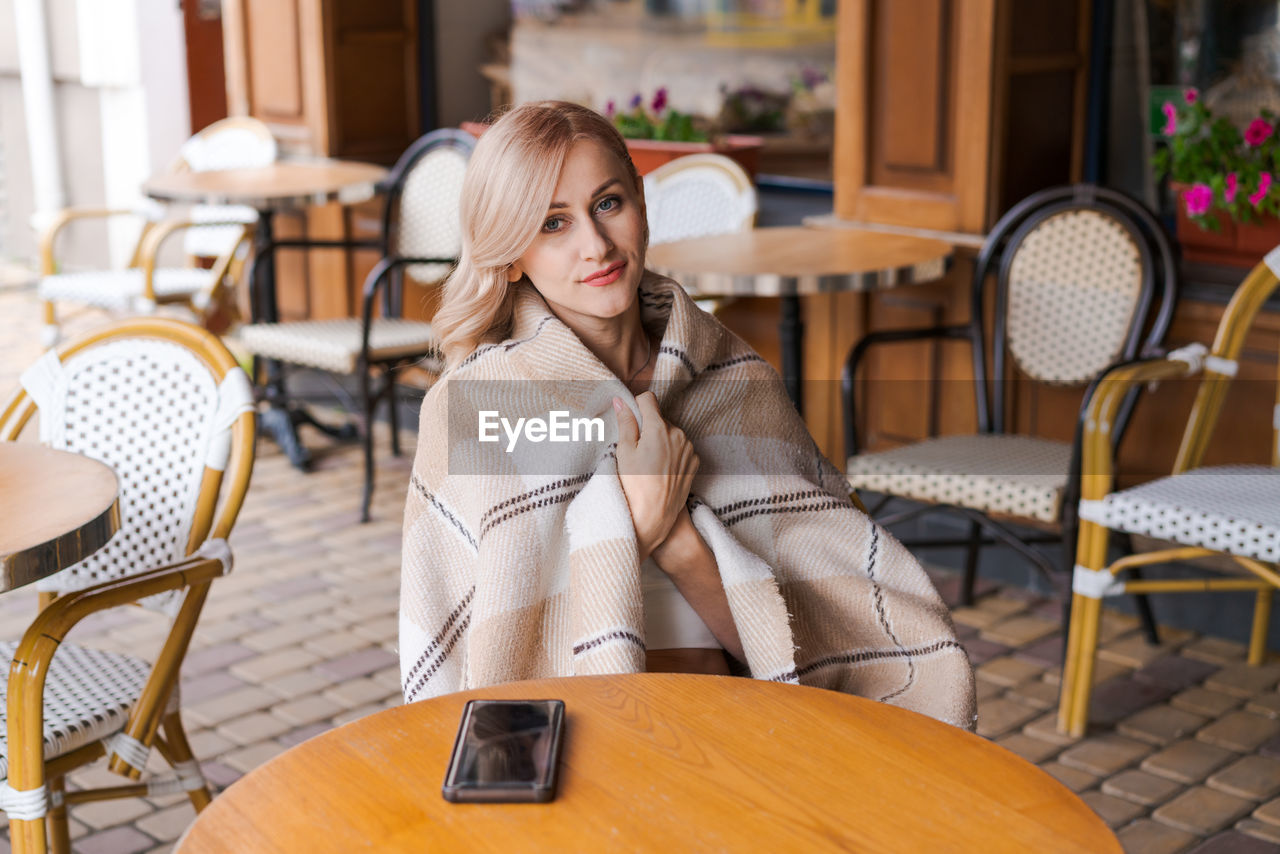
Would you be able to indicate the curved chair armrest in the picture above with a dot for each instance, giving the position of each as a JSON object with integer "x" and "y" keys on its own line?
{"x": 31, "y": 660}
{"x": 962, "y": 332}
{"x": 263, "y": 253}
{"x": 62, "y": 219}
{"x": 374, "y": 281}
{"x": 158, "y": 234}
{"x": 1097, "y": 457}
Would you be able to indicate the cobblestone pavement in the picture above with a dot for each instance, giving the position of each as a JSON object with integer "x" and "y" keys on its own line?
{"x": 1184, "y": 754}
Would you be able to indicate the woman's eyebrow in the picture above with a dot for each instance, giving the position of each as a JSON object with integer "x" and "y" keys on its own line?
{"x": 597, "y": 191}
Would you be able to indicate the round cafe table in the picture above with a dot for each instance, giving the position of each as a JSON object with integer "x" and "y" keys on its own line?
{"x": 287, "y": 185}
{"x": 56, "y": 509}
{"x": 661, "y": 762}
{"x": 794, "y": 261}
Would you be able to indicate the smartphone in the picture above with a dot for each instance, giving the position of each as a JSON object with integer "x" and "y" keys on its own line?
{"x": 507, "y": 751}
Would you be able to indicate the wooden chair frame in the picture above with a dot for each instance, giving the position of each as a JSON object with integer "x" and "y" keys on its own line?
{"x": 1099, "y": 479}
{"x": 28, "y": 769}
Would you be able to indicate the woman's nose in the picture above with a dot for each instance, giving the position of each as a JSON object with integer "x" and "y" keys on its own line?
{"x": 596, "y": 243}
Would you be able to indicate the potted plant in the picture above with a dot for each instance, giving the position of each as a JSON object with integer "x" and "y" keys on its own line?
{"x": 658, "y": 134}
{"x": 1228, "y": 195}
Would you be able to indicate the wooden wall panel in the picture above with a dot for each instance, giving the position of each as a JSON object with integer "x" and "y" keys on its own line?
{"x": 910, "y": 94}
{"x": 275, "y": 73}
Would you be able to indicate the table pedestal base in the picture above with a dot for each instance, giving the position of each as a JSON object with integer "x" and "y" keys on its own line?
{"x": 280, "y": 421}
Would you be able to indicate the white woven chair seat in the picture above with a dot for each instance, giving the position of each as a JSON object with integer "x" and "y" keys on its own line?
{"x": 1232, "y": 509}
{"x": 87, "y": 697}
{"x": 334, "y": 345}
{"x": 119, "y": 290}
{"x": 1017, "y": 475}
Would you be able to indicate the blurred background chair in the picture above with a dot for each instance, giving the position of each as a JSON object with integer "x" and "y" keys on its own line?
{"x": 1083, "y": 277}
{"x": 1200, "y": 511}
{"x": 696, "y": 196}
{"x": 421, "y": 238}
{"x": 165, "y": 405}
{"x": 221, "y": 233}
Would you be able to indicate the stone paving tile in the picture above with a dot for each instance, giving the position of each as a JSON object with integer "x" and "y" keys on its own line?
{"x": 248, "y": 758}
{"x": 1234, "y": 842}
{"x": 1177, "y": 671}
{"x": 1267, "y": 705}
{"x": 1145, "y": 836}
{"x": 263, "y": 667}
{"x": 253, "y": 728}
{"x": 1008, "y": 671}
{"x": 1033, "y": 750}
{"x": 356, "y": 692}
{"x": 1239, "y": 731}
{"x": 1104, "y": 755}
{"x": 1116, "y": 812}
{"x": 1046, "y": 729}
{"x": 296, "y": 736}
{"x": 1132, "y": 650}
{"x": 1141, "y": 787}
{"x": 1253, "y": 777}
{"x": 1103, "y": 671}
{"x": 200, "y": 688}
{"x": 1202, "y": 701}
{"x": 1073, "y": 778}
{"x": 1259, "y": 830}
{"x": 118, "y": 840}
{"x": 1019, "y": 630}
{"x": 1047, "y": 652}
{"x": 1160, "y": 724}
{"x": 214, "y": 657}
{"x": 102, "y": 814}
{"x": 1242, "y": 680}
{"x": 1187, "y": 761}
{"x": 1215, "y": 650}
{"x": 985, "y": 690}
{"x": 227, "y": 706}
{"x": 306, "y": 710}
{"x": 297, "y": 684}
{"x": 356, "y": 664}
{"x": 220, "y": 774}
{"x": 1202, "y": 810}
{"x": 1121, "y": 697}
{"x": 1269, "y": 812}
{"x": 998, "y": 716}
{"x": 168, "y": 824}
{"x": 1035, "y": 693}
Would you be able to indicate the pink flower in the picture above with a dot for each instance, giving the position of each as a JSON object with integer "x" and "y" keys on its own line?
{"x": 1258, "y": 131}
{"x": 1232, "y": 186}
{"x": 1198, "y": 199}
{"x": 660, "y": 101}
{"x": 1191, "y": 95}
{"x": 610, "y": 108}
{"x": 1170, "y": 118}
{"x": 1264, "y": 185}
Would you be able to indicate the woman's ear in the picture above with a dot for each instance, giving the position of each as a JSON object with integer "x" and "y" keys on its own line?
{"x": 514, "y": 273}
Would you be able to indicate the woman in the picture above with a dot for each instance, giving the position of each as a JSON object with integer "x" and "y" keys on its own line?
{"x": 712, "y": 537}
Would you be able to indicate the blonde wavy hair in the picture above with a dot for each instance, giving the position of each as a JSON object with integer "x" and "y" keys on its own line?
{"x": 510, "y": 179}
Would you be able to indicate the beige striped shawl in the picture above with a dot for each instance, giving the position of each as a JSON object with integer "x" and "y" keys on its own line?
{"x": 513, "y": 570}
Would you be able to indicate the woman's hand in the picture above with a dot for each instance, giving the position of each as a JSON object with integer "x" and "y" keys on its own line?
{"x": 656, "y": 468}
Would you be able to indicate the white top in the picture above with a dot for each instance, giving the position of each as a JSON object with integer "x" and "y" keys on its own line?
{"x": 669, "y": 620}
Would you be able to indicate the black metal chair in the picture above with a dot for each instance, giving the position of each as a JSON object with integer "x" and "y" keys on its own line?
{"x": 1084, "y": 278}
{"x": 420, "y": 237}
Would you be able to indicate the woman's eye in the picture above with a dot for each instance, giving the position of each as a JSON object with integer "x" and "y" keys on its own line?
{"x": 553, "y": 224}
{"x": 607, "y": 204}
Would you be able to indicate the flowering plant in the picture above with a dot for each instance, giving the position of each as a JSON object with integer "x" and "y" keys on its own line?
{"x": 1225, "y": 169}
{"x": 657, "y": 122}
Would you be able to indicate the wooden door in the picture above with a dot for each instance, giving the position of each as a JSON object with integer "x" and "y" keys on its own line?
{"x": 206, "y": 75}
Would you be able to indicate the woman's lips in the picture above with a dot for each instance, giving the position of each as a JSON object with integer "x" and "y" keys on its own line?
{"x": 607, "y": 276}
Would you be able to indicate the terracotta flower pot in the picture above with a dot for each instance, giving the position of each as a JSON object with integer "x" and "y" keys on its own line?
{"x": 1233, "y": 244}
{"x": 649, "y": 154}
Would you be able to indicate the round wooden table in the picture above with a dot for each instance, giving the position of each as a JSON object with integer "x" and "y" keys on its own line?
{"x": 286, "y": 185}
{"x": 56, "y": 509}
{"x": 794, "y": 261}
{"x": 662, "y": 762}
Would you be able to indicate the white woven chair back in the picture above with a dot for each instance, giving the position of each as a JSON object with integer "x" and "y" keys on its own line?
{"x": 696, "y": 196}
{"x": 428, "y": 223}
{"x": 239, "y": 143}
{"x": 155, "y": 413}
{"x": 1074, "y": 284}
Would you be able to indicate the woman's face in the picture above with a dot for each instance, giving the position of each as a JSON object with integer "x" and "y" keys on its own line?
{"x": 589, "y": 254}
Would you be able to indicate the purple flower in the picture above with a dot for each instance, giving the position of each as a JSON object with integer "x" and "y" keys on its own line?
{"x": 1232, "y": 185}
{"x": 1258, "y": 131}
{"x": 1198, "y": 199}
{"x": 1170, "y": 118}
{"x": 635, "y": 100}
{"x": 1264, "y": 185}
{"x": 812, "y": 77}
{"x": 659, "y": 101}
{"x": 1191, "y": 95}
{"x": 610, "y": 108}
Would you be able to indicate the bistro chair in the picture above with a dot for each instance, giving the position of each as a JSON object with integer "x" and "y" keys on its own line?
{"x": 165, "y": 405}
{"x": 1082, "y": 277}
{"x": 421, "y": 238}
{"x": 1199, "y": 511}
{"x": 699, "y": 195}
{"x": 223, "y": 233}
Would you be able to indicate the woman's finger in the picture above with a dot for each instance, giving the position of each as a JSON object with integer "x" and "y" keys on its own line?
{"x": 628, "y": 430}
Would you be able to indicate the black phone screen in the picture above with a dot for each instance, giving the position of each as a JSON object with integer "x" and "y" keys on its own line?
{"x": 506, "y": 750}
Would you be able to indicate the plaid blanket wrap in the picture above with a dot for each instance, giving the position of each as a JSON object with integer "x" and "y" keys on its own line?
{"x": 515, "y": 570}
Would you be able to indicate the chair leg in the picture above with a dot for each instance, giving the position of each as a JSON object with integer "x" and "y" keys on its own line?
{"x": 1148, "y": 619}
{"x": 56, "y": 821}
{"x": 393, "y": 415}
{"x": 971, "y": 564}
{"x": 1261, "y": 622}
{"x": 370, "y": 404}
{"x": 1077, "y": 673}
{"x": 180, "y": 751}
